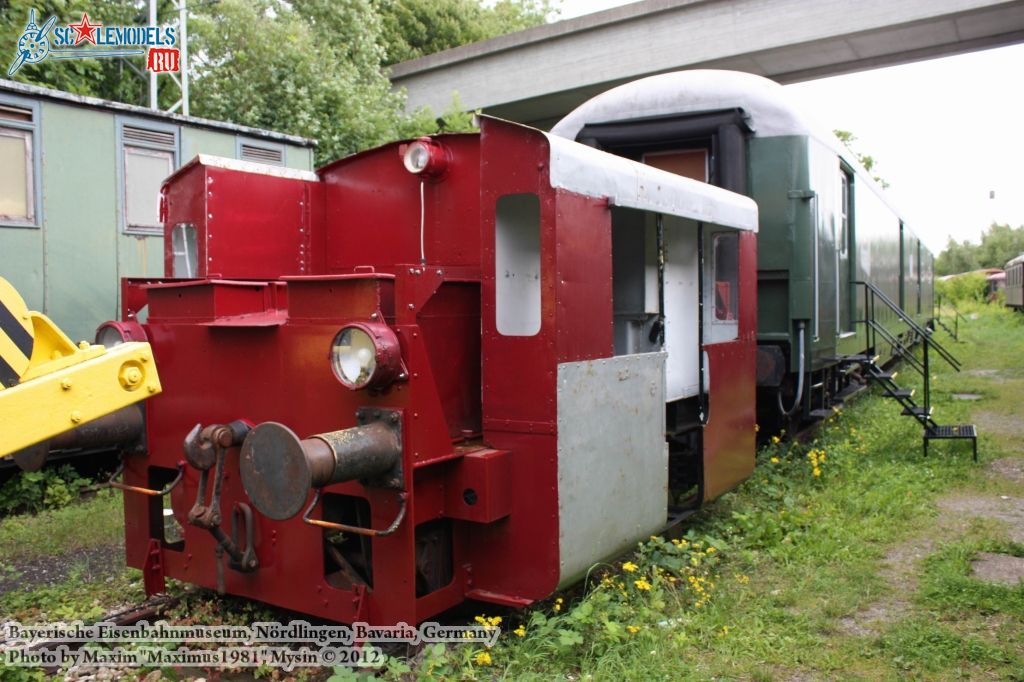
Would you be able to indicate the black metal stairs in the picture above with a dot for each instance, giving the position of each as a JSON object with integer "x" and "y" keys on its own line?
{"x": 876, "y": 374}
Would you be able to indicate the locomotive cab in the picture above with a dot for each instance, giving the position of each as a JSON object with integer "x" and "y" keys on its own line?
{"x": 461, "y": 367}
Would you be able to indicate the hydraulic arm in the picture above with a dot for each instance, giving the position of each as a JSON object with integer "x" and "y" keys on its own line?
{"x": 49, "y": 385}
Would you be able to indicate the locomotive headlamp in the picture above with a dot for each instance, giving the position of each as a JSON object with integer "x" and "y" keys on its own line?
{"x": 425, "y": 157}
{"x": 110, "y": 334}
{"x": 366, "y": 356}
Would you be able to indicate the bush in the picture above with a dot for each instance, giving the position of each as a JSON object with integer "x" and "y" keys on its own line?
{"x": 29, "y": 492}
{"x": 971, "y": 287}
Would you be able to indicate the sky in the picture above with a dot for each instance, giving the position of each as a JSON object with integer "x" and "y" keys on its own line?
{"x": 944, "y": 133}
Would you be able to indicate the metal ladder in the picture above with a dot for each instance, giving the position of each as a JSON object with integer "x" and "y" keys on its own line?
{"x": 876, "y": 374}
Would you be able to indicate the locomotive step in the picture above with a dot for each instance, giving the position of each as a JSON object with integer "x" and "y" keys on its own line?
{"x": 917, "y": 411}
{"x": 899, "y": 393}
{"x": 942, "y": 432}
{"x": 858, "y": 359}
{"x": 952, "y": 432}
{"x": 850, "y": 391}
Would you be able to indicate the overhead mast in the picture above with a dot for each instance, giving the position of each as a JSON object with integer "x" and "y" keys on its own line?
{"x": 180, "y": 80}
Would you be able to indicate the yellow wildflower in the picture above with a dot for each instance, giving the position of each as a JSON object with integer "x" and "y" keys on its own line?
{"x": 711, "y": 550}
{"x": 632, "y": 629}
{"x": 757, "y": 427}
{"x": 629, "y": 567}
{"x": 482, "y": 658}
{"x": 494, "y": 622}
{"x": 775, "y": 460}
{"x": 642, "y": 584}
{"x": 776, "y": 440}
{"x": 558, "y": 605}
{"x": 520, "y": 631}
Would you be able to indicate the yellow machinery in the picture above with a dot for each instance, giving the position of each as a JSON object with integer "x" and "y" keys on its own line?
{"x": 49, "y": 385}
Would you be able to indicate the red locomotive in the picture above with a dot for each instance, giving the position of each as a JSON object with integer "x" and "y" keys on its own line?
{"x": 461, "y": 367}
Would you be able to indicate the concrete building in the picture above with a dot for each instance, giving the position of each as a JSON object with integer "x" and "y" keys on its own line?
{"x": 539, "y": 75}
{"x": 80, "y": 193}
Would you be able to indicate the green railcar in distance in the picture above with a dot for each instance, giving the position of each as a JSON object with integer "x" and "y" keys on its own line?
{"x": 825, "y": 224}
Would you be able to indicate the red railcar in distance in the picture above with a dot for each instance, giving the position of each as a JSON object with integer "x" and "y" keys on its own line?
{"x": 460, "y": 367}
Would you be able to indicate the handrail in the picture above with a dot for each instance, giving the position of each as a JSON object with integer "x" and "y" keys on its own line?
{"x": 957, "y": 316}
{"x": 921, "y": 331}
{"x": 904, "y": 350}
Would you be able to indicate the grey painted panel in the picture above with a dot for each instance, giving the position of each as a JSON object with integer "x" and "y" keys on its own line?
{"x": 612, "y": 457}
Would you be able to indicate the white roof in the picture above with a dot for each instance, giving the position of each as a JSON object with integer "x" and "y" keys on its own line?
{"x": 245, "y": 167}
{"x": 771, "y": 110}
{"x": 578, "y": 168}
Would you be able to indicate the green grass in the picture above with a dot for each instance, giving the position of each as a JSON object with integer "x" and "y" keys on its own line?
{"x": 947, "y": 588}
{"x": 96, "y": 521}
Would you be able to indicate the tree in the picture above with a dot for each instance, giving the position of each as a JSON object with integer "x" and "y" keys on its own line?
{"x": 315, "y": 68}
{"x": 999, "y": 244}
{"x": 956, "y": 258}
{"x": 848, "y": 138}
{"x": 414, "y": 28}
{"x": 113, "y": 79}
{"x": 265, "y": 64}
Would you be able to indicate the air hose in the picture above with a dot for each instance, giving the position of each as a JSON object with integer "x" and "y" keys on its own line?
{"x": 800, "y": 377}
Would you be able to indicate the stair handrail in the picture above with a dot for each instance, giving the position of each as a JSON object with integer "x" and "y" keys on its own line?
{"x": 957, "y": 316}
{"x": 921, "y": 331}
{"x": 904, "y": 351}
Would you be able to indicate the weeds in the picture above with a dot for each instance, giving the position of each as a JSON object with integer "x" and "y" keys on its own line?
{"x": 30, "y": 492}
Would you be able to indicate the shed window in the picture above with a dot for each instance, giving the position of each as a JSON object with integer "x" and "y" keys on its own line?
{"x": 144, "y": 172}
{"x": 148, "y": 156}
{"x": 18, "y": 161}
